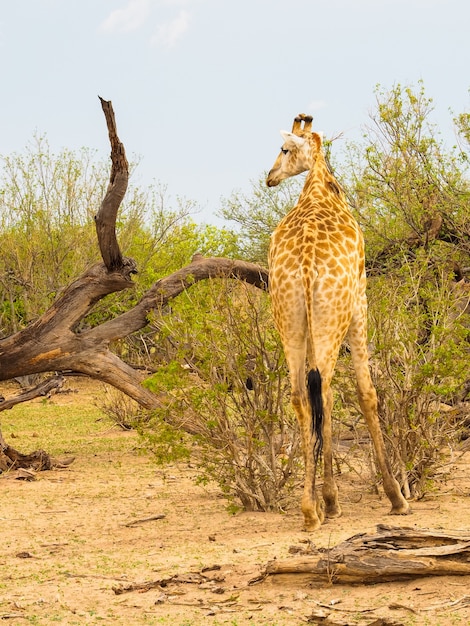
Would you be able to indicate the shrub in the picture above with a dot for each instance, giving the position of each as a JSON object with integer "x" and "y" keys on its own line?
{"x": 227, "y": 385}
{"x": 420, "y": 365}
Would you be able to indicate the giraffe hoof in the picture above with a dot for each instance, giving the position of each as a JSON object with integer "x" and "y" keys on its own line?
{"x": 312, "y": 526}
{"x": 313, "y": 520}
{"x": 333, "y": 512}
{"x": 403, "y": 509}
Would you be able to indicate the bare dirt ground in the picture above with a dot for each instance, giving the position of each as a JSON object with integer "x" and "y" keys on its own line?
{"x": 72, "y": 538}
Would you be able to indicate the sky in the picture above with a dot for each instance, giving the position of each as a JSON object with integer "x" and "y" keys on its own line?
{"x": 201, "y": 88}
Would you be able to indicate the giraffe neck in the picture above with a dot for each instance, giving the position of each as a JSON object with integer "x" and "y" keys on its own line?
{"x": 320, "y": 182}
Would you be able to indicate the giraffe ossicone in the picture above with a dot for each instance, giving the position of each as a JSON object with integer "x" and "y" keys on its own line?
{"x": 317, "y": 284}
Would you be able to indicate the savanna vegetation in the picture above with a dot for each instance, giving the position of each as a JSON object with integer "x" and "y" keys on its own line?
{"x": 214, "y": 378}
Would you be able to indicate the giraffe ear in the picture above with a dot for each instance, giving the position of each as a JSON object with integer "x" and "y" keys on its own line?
{"x": 318, "y": 139}
{"x": 290, "y": 138}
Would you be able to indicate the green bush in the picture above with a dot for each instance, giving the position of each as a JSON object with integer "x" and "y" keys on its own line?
{"x": 419, "y": 366}
{"x": 227, "y": 385}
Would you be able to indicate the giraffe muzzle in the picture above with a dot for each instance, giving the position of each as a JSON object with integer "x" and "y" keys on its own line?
{"x": 271, "y": 180}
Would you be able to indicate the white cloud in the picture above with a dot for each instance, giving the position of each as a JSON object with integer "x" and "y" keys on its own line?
{"x": 168, "y": 33}
{"x": 127, "y": 19}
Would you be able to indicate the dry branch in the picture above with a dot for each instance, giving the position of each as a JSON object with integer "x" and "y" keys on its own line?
{"x": 194, "y": 578}
{"x": 152, "y": 518}
{"x": 43, "y": 389}
{"x": 391, "y": 554}
{"x": 105, "y": 219}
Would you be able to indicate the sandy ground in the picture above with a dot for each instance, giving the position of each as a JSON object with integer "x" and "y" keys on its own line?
{"x": 72, "y": 538}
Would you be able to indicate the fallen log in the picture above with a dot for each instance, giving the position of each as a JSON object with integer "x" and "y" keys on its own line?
{"x": 391, "y": 554}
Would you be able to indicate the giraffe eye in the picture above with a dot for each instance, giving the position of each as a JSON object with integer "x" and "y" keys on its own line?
{"x": 284, "y": 150}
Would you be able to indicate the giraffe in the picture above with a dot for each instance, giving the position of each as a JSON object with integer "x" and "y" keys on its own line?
{"x": 317, "y": 285}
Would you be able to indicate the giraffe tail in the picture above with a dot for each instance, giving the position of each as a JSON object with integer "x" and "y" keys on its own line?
{"x": 316, "y": 403}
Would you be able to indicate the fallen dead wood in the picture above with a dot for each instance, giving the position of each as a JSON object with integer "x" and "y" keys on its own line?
{"x": 392, "y": 553}
{"x": 21, "y": 474}
{"x": 193, "y": 578}
{"x": 157, "y": 584}
{"x": 37, "y": 461}
{"x": 462, "y": 602}
{"x": 137, "y": 522}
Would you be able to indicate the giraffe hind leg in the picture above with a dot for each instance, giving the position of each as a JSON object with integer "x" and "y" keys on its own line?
{"x": 311, "y": 504}
{"x": 321, "y": 431}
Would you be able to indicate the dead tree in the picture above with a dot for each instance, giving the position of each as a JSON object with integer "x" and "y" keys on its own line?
{"x": 55, "y": 343}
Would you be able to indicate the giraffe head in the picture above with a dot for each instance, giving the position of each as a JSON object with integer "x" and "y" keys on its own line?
{"x": 298, "y": 152}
